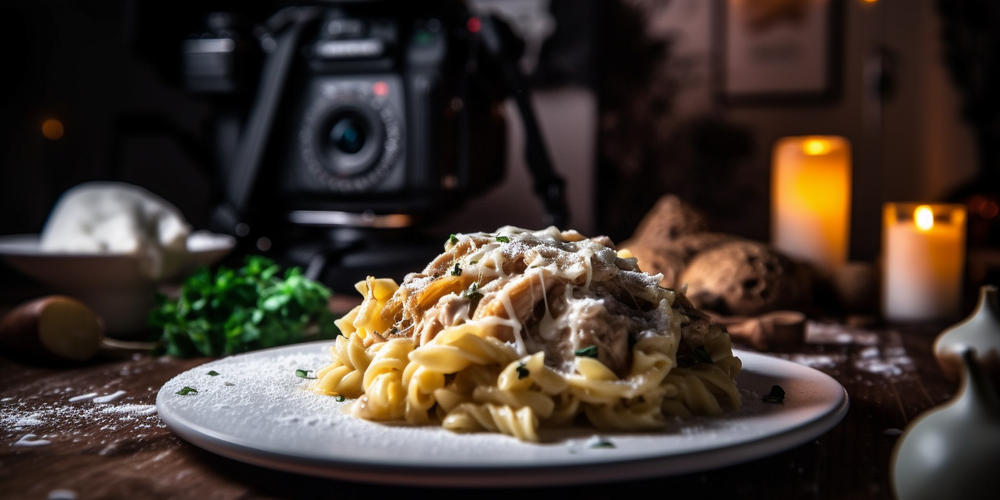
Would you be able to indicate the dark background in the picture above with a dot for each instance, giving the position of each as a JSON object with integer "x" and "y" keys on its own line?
{"x": 102, "y": 67}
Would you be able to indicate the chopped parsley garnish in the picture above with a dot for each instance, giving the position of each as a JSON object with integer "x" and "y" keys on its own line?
{"x": 777, "y": 395}
{"x": 473, "y": 291}
{"x": 303, "y": 373}
{"x": 702, "y": 355}
{"x": 213, "y": 373}
{"x": 474, "y": 296}
{"x": 587, "y": 352}
{"x": 503, "y": 239}
{"x": 602, "y": 443}
{"x": 457, "y": 271}
{"x": 230, "y": 311}
{"x": 340, "y": 398}
{"x": 186, "y": 390}
{"x": 452, "y": 239}
{"x": 688, "y": 357}
{"x": 522, "y": 371}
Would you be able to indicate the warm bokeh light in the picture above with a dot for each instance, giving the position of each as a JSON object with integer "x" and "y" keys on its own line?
{"x": 811, "y": 199}
{"x": 923, "y": 260}
{"x": 816, "y": 147}
{"x": 924, "y": 217}
{"x": 473, "y": 25}
{"x": 52, "y": 129}
{"x": 984, "y": 206}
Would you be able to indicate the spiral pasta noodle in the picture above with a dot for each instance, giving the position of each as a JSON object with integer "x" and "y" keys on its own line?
{"x": 516, "y": 330}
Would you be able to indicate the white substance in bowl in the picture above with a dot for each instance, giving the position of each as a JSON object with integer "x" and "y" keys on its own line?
{"x": 118, "y": 218}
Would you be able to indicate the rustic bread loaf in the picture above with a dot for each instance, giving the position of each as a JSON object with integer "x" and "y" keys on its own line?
{"x": 745, "y": 278}
{"x": 669, "y": 219}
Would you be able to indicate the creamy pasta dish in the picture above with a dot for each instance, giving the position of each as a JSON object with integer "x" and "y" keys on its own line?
{"x": 514, "y": 330}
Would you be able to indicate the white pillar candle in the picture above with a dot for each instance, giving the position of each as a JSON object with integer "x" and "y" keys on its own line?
{"x": 811, "y": 199}
{"x": 923, "y": 260}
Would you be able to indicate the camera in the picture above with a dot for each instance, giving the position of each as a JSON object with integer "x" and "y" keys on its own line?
{"x": 339, "y": 122}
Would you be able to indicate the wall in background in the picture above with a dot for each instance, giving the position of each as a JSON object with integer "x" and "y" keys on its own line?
{"x": 79, "y": 69}
{"x": 909, "y": 142}
{"x": 74, "y": 64}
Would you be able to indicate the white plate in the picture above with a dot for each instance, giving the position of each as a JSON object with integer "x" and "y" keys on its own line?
{"x": 257, "y": 411}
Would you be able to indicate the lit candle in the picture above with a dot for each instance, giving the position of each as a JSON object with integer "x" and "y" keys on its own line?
{"x": 923, "y": 261}
{"x": 811, "y": 199}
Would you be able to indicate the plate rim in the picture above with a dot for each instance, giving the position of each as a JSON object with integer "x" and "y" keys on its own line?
{"x": 553, "y": 474}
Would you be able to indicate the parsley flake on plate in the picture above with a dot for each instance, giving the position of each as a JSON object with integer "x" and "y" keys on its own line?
{"x": 599, "y": 442}
{"x": 776, "y": 396}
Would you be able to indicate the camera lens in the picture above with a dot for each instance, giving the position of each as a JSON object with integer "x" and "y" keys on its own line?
{"x": 350, "y": 139}
{"x": 348, "y": 135}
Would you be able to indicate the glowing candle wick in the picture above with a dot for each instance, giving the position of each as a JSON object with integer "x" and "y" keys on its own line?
{"x": 816, "y": 147}
{"x": 924, "y": 217}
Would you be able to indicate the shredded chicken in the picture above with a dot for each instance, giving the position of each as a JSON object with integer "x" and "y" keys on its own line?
{"x": 551, "y": 291}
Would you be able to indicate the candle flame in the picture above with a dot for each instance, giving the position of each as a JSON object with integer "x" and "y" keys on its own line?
{"x": 816, "y": 147}
{"x": 52, "y": 129}
{"x": 924, "y": 217}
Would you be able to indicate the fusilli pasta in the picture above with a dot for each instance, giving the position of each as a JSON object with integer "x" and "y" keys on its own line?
{"x": 514, "y": 330}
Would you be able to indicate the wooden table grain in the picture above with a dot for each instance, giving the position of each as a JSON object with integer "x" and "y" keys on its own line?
{"x": 57, "y": 443}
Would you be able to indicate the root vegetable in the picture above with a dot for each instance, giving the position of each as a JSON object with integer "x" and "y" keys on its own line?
{"x": 53, "y": 328}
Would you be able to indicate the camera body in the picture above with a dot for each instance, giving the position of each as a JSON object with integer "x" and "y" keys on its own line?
{"x": 365, "y": 122}
{"x": 364, "y": 111}
{"x": 391, "y": 115}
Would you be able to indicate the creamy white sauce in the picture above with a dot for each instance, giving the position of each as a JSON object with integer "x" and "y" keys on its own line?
{"x": 516, "y": 325}
{"x": 577, "y": 266}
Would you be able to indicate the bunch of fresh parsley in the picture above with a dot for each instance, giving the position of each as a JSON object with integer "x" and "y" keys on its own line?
{"x": 241, "y": 310}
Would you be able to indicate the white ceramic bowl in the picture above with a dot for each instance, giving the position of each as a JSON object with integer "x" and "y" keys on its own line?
{"x": 112, "y": 284}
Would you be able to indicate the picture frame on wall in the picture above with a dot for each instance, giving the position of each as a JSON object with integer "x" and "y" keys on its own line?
{"x": 779, "y": 51}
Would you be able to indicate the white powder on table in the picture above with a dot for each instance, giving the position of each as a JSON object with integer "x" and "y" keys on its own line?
{"x": 835, "y": 333}
{"x": 79, "y": 419}
{"x": 82, "y": 397}
{"x": 133, "y": 409}
{"x": 109, "y": 398}
{"x": 880, "y": 353}
{"x": 31, "y": 440}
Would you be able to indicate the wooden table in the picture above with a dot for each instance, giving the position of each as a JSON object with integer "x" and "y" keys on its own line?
{"x": 122, "y": 450}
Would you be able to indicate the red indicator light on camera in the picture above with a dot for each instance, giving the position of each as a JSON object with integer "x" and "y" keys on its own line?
{"x": 380, "y": 89}
{"x": 473, "y": 25}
